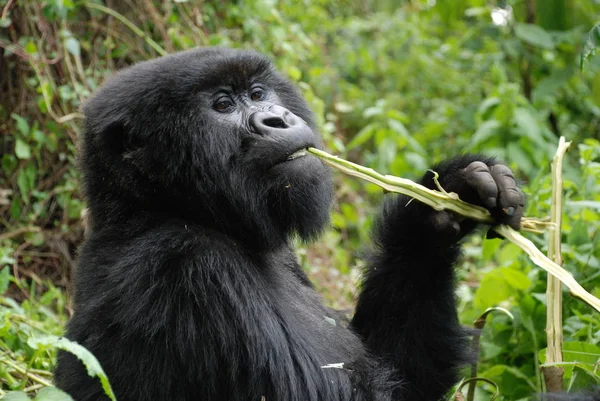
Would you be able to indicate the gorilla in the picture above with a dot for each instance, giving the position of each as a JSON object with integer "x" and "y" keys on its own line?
{"x": 187, "y": 288}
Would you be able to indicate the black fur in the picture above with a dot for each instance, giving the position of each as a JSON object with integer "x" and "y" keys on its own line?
{"x": 187, "y": 287}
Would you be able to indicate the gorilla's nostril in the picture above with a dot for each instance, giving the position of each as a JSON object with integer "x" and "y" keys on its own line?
{"x": 275, "y": 122}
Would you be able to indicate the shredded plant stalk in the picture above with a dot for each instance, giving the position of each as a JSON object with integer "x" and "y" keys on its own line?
{"x": 450, "y": 201}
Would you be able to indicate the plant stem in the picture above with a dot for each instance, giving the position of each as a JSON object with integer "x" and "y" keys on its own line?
{"x": 553, "y": 375}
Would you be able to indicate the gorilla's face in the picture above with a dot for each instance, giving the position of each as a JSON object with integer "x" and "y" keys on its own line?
{"x": 212, "y": 136}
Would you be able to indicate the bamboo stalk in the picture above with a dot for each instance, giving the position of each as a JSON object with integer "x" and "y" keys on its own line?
{"x": 449, "y": 201}
{"x": 553, "y": 375}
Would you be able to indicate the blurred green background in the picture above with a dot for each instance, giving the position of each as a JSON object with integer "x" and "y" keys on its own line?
{"x": 396, "y": 85}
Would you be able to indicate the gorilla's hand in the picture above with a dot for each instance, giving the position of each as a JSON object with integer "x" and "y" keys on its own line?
{"x": 480, "y": 181}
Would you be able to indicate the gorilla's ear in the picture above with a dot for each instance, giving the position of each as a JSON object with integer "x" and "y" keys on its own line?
{"x": 118, "y": 139}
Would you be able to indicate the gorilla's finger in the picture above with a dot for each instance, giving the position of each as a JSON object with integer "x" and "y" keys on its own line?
{"x": 510, "y": 197}
{"x": 479, "y": 177}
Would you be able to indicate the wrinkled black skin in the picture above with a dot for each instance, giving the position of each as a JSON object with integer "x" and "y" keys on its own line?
{"x": 187, "y": 287}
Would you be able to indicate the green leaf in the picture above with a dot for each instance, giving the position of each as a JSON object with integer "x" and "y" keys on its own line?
{"x": 578, "y": 234}
{"x": 577, "y": 351}
{"x": 591, "y": 45}
{"x": 4, "y": 279}
{"x": 363, "y": 136}
{"x": 22, "y": 124}
{"x": 549, "y": 87}
{"x": 22, "y": 149}
{"x": 5, "y": 22}
{"x": 89, "y": 360}
{"x": 582, "y": 379}
{"x": 16, "y": 396}
{"x": 534, "y": 35}
{"x": 485, "y": 131}
{"x": 52, "y": 394}
{"x": 528, "y": 125}
{"x": 31, "y": 48}
{"x": 72, "y": 46}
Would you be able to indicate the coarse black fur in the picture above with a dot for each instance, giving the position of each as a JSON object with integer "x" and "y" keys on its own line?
{"x": 187, "y": 287}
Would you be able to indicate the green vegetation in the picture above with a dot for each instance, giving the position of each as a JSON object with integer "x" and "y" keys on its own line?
{"x": 396, "y": 85}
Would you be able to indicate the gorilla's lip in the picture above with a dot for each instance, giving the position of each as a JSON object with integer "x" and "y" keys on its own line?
{"x": 299, "y": 153}
{"x": 296, "y": 153}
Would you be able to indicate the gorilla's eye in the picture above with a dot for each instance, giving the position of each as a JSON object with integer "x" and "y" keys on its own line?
{"x": 222, "y": 105}
{"x": 257, "y": 94}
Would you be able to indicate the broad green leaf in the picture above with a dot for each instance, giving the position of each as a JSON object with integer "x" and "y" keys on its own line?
{"x": 534, "y": 35}
{"x": 16, "y": 396}
{"x": 31, "y": 48}
{"x": 22, "y": 149}
{"x": 499, "y": 370}
{"x": 549, "y": 87}
{"x": 577, "y": 351}
{"x": 498, "y": 285}
{"x": 528, "y": 125}
{"x": 363, "y": 136}
{"x": 578, "y": 234}
{"x": 591, "y": 45}
{"x": 52, "y": 394}
{"x": 89, "y": 360}
{"x": 582, "y": 379}
{"x": 73, "y": 47}
{"x": 4, "y": 279}
{"x": 22, "y": 124}
{"x": 485, "y": 131}
{"x": 5, "y": 22}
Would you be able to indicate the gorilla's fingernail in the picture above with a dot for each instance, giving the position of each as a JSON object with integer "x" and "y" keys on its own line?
{"x": 509, "y": 210}
{"x": 490, "y": 202}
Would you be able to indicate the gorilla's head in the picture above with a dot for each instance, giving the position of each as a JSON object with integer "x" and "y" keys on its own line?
{"x": 213, "y": 136}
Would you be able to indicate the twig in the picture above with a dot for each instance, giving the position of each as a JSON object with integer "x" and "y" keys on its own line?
{"x": 19, "y": 231}
{"x": 553, "y": 375}
{"x": 440, "y": 201}
{"x": 26, "y": 373}
{"x": 479, "y": 324}
{"x": 129, "y": 25}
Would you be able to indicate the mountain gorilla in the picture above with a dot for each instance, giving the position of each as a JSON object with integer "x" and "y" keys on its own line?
{"x": 187, "y": 288}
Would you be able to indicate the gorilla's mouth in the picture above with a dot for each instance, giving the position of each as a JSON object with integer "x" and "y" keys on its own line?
{"x": 297, "y": 154}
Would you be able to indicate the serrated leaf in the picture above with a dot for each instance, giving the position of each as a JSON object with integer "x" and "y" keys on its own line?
{"x": 89, "y": 360}
{"x": 534, "y": 35}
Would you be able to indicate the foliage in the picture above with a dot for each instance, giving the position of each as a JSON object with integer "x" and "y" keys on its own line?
{"x": 396, "y": 85}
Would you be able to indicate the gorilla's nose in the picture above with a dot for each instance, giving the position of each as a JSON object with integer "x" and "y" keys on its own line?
{"x": 276, "y": 117}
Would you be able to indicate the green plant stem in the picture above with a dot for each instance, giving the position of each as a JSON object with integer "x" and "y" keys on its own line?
{"x": 553, "y": 375}
{"x": 440, "y": 201}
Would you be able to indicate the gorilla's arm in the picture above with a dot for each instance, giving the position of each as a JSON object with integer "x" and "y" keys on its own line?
{"x": 406, "y": 312}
